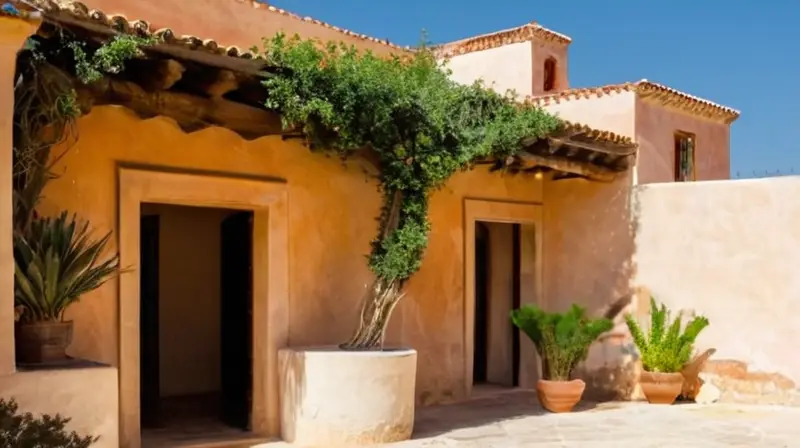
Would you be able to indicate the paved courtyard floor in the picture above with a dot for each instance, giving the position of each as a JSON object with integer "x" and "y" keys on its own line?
{"x": 515, "y": 419}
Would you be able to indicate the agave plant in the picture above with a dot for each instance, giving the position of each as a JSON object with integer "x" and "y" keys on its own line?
{"x": 562, "y": 340}
{"x": 665, "y": 349}
{"x": 56, "y": 261}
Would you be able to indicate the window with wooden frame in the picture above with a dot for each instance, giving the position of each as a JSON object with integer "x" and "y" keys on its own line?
{"x": 684, "y": 156}
{"x": 550, "y": 67}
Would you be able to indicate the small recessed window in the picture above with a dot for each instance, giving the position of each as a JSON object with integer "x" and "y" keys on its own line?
{"x": 684, "y": 156}
{"x": 549, "y": 74}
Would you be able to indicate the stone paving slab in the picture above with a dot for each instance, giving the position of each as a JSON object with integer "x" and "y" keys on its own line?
{"x": 515, "y": 419}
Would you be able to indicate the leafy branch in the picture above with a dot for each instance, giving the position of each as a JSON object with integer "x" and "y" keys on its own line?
{"x": 422, "y": 126}
{"x": 46, "y": 105}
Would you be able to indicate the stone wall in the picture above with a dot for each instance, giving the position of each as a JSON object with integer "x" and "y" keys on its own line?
{"x": 729, "y": 250}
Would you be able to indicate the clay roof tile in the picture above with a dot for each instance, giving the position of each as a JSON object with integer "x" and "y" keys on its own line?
{"x": 652, "y": 91}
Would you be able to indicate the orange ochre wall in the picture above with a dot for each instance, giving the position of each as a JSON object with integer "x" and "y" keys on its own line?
{"x": 332, "y": 211}
{"x": 332, "y": 219}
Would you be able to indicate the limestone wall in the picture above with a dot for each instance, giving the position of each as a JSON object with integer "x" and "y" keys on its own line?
{"x": 729, "y": 250}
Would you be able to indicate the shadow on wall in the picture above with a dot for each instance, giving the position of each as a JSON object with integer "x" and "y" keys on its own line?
{"x": 611, "y": 371}
{"x": 590, "y": 246}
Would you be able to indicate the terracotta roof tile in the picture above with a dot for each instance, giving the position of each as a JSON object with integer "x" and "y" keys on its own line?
{"x": 333, "y": 27}
{"x": 591, "y": 134}
{"x": 77, "y": 13}
{"x": 519, "y": 34}
{"x": 652, "y": 91}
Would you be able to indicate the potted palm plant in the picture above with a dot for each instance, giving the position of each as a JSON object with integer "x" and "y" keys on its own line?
{"x": 56, "y": 262}
{"x": 562, "y": 341}
{"x": 665, "y": 350}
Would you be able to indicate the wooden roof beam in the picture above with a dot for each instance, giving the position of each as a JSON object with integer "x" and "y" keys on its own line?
{"x": 165, "y": 74}
{"x": 604, "y": 147}
{"x": 190, "y": 111}
{"x": 566, "y": 165}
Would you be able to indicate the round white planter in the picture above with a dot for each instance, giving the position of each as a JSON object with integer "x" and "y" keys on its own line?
{"x": 332, "y": 397}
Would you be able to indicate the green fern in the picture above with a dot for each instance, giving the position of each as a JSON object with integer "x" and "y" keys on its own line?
{"x": 665, "y": 349}
{"x": 562, "y": 340}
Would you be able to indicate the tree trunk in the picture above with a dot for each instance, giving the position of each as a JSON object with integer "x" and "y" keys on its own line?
{"x": 376, "y": 309}
{"x": 380, "y": 300}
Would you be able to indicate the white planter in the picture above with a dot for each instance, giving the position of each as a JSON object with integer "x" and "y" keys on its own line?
{"x": 333, "y": 397}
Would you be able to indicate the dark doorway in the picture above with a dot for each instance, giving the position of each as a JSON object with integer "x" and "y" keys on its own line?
{"x": 481, "y": 301}
{"x": 497, "y": 291}
{"x": 236, "y": 329}
{"x": 196, "y": 324}
{"x": 150, "y": 393}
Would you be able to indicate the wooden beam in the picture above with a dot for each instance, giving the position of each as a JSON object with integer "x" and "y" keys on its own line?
{"x": 224, "y": 82}
{"x": 586, "y": 170}
{"x": 211, "y": 82}
{"x": 604, "y": 147}
{"x": 166, "y": 73}
{"x": 190, "y": 111}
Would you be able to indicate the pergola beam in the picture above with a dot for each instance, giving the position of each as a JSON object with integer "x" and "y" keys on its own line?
{"x": 192, "y": 112}
{"x": 566, "y": 165}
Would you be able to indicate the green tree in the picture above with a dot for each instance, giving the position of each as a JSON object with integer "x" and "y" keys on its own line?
{"x": 421, "y": 126}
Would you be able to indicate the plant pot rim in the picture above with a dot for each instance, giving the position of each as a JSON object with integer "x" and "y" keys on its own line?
{"x": 562, "y": 381}
{"x": 45, "y": 323}
{"x": 334, "y": 350}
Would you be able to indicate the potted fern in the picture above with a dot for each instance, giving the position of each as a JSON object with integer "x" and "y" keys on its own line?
{"x": 664, "y": 352}
{"x": 562, "y": 341}
{"x": 56, "y": 262}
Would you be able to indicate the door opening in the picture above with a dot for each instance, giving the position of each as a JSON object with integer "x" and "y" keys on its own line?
{"x": 497, "y": 278}
{"x": 481, "y": 302}
{"x": 196, "y": 324}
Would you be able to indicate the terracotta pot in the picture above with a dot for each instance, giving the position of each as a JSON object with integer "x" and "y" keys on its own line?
{"x": 661, "y": 388}
{"x": 42, "y": 342}
{"x": 560, "y": 396}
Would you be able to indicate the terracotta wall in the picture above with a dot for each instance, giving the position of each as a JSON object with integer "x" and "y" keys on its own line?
{"x": 653, "y": 127}
{"x": 655, "y": 130}
{"x": 189, "y": 298}
{"x": 242, "y": 23}
{"x": 332, "y": 220}
{"x": 541, "y": 52}
{"x": 588, "y": 245}
{"x": 503, "y": 68}
{"x": 588, "y": 242}
{"x": 728, "y": 250}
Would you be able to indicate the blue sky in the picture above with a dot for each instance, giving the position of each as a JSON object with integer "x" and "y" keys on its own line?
{"x": 740, "y": 54}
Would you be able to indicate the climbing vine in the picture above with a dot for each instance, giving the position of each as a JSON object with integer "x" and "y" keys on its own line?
{"x": 422, "y": 127}
{"x": 46, "y": 105}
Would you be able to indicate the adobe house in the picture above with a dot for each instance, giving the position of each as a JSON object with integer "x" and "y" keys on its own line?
{"x": 178, "y": 157}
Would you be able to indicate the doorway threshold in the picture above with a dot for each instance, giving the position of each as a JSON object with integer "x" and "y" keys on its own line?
{"x": 210, "y": 440}
{"x": 491, "y": 390}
